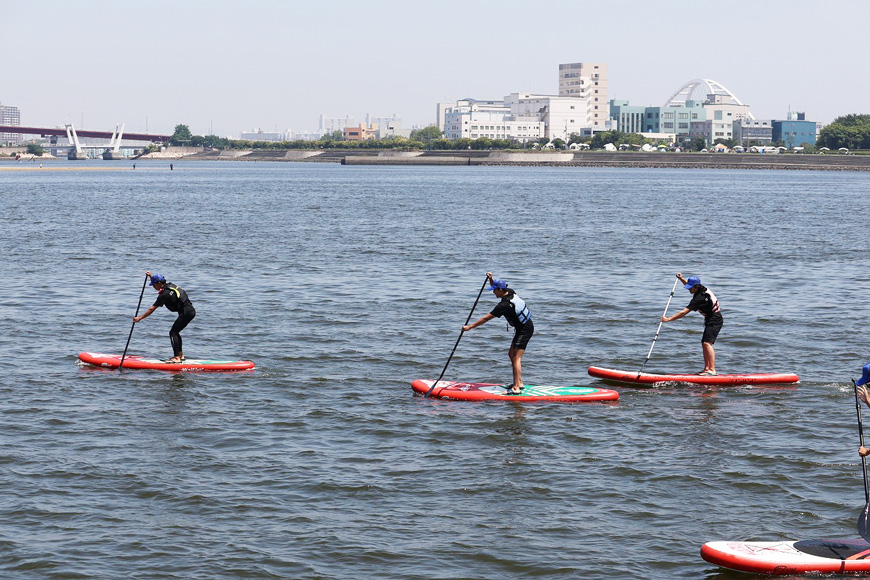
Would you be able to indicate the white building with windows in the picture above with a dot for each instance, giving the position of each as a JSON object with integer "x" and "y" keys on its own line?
{"x": 584, "y": 80}
{"x": 10, "y": 117}
{"x": 480, "y": 105}
{"x": 753, "y": 131}
{"x": 722, "y": 112}
{"x": 521, "y": 117}
{"x": 561, "y": 116}
{"x": 471, "y": 119}
{"x": 269, "y": 136}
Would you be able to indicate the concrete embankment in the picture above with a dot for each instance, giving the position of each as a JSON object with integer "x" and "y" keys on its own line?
{"x": 628, "y": 159}
{"x": 830, "y": 162}
{"x": 172, "y": 153}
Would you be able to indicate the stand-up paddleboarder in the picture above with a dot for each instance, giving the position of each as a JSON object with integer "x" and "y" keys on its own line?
{"x": 174, "y": 299}
{"x": 705, "y": 302}
{"x": 518, "y": 315}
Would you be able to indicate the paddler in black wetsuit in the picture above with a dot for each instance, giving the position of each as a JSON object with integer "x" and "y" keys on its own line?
{"x": 174, "y": 299}
{"x": 861, "y": 388}
{"x": 518, "y": 315}
{"x": 705, "y": 302}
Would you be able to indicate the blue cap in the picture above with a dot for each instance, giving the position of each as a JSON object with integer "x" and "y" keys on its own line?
{"x": 498, "y": 285}
{"x": 865, "y": 377}
{"x": 692, "y": 282}
{"x": 157, "y": 279}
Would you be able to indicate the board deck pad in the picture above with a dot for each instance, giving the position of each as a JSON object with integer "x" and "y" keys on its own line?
{"x": 732, "y": 380}
{"x": 139, "y": 362}
{"x": 791, "y": 557}
{"x": 462, "y": 391}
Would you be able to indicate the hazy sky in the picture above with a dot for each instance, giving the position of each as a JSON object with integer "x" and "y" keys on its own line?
{"x": 228, "y": 67}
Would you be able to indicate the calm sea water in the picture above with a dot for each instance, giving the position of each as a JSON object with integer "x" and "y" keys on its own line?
{"x": 346, "y": 283}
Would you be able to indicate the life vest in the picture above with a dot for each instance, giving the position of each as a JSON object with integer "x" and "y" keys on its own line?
{"x": 714, "y": 308}
{"x": 523, "y": 312}
{"x": 181, "y": 299}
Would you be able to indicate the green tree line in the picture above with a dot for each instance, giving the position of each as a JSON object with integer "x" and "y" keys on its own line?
{"x": 849, "y": 131}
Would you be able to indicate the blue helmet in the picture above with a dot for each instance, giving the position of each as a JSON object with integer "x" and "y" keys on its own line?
{"x": 157, "y": 279}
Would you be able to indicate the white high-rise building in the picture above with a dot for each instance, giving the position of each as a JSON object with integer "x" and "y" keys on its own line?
{"x": 10, "y": 117}
{"x": 587, "y": 81}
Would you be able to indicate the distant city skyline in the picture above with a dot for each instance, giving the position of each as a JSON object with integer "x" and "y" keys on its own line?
{"x": 281, "y": 65}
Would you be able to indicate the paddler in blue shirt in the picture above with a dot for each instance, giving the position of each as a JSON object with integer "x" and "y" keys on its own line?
{"x": 705, "y": 302}
{"x": 518, "y": 315}
{"x": 175, "y": 300}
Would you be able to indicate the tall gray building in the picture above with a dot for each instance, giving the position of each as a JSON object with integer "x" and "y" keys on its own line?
{"x": 10, "y": 117}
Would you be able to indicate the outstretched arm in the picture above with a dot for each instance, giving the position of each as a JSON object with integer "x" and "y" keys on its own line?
{"x": 676, "y": 316}
{"x": 145, "y": 314}
{"x": 478, "y": 322}
{"x": 681, "y": 279}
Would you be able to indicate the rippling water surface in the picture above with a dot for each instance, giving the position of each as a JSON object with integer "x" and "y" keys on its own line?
{"x": 346, "y": 283}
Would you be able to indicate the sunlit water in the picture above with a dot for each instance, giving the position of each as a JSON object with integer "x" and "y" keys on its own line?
{"x": 346, "y": 283}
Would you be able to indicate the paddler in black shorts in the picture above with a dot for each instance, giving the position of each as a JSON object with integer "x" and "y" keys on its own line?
{"x": 861, "y": 390}
{"x": 705, "y": 302}
{"x": 518, "y": 315}
{"x": 174, "y": 299}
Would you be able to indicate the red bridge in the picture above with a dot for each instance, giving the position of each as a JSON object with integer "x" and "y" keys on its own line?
{"x": 61, "y": 132}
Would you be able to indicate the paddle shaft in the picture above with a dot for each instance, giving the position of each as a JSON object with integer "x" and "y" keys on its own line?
{"x": 461, "y": 332}
{"x": 861, "y": 437}
{"x": 659, "y": 329}
{"x": 141, "y": 294}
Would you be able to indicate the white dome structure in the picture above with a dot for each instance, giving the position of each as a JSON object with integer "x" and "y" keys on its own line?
{"x": 698, "y": 89}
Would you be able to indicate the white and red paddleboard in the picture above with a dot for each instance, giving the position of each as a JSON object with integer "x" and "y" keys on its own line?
{"x": 140, "y": 362}
{"x": 632, "y": 377}
{"x": 783, "y": 558}
{"x": 501, "y": 392}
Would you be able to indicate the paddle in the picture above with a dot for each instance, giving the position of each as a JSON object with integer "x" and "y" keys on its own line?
{"x": 865, "y": 515}
{"x": 649, "y": 354}
{"x": 461, "y": 332}
{"x": 141, "y": 294}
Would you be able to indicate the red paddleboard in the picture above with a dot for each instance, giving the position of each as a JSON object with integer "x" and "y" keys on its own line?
{"x": 632, "y": 377}
{"x": 141, "y": 362}
{"x": 785, "y": 558}
{"x": 500, "y": 392}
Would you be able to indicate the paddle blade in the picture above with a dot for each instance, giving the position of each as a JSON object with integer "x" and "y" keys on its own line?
{"x": 864, "y": 524}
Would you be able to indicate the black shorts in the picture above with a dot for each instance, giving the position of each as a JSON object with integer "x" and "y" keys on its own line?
{"x": 711, "y": 331}
{"x": 523, "y": 335}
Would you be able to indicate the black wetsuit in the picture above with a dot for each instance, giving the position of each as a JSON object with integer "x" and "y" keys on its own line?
{"x": 705, "y": 302}
{"x": 175, "y": 300}
{"x": 518, "y": 315}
